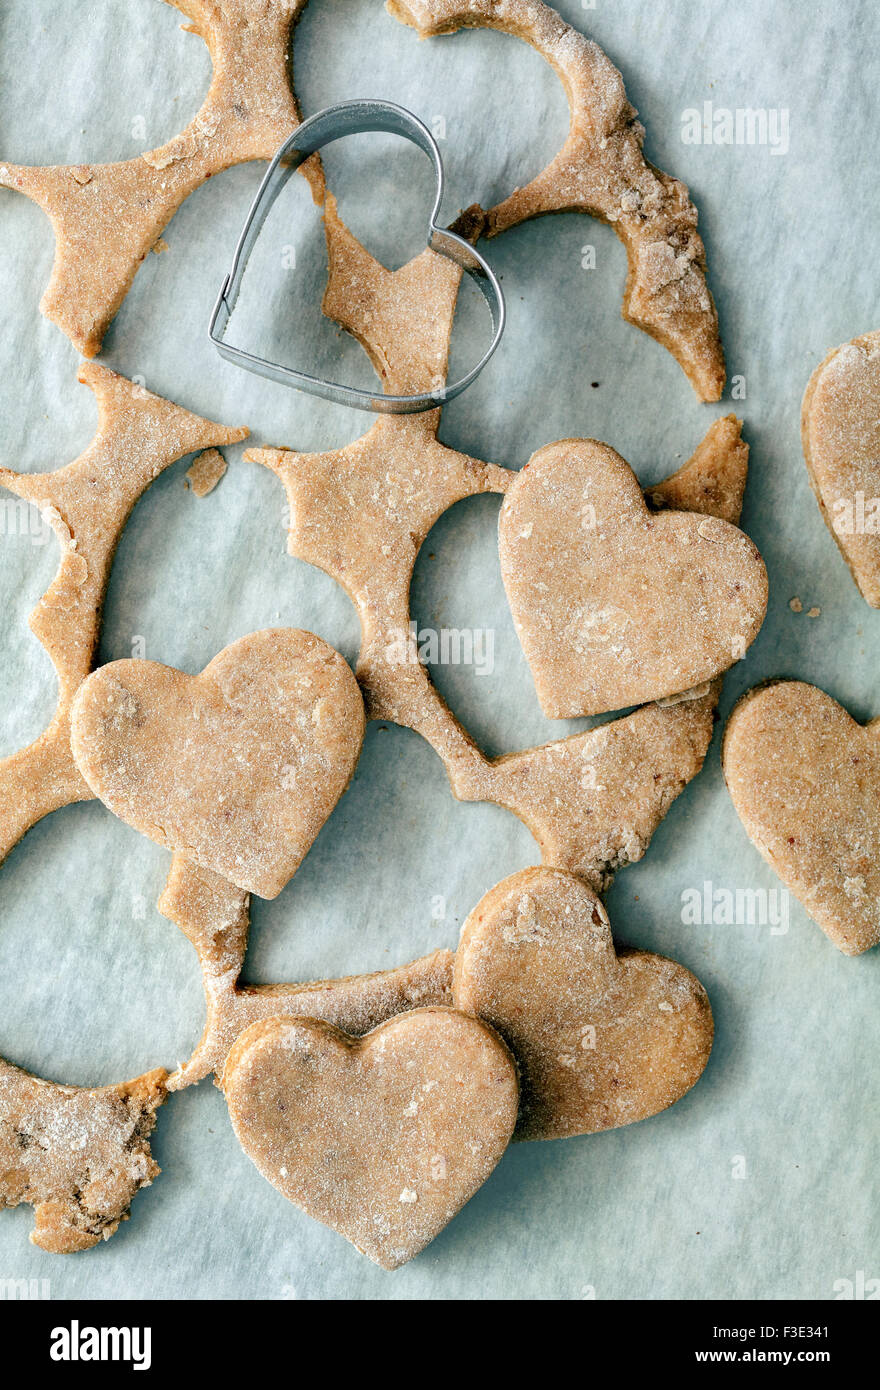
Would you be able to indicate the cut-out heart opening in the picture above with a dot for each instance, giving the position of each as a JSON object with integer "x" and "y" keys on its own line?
{"x": 486, "y": 145}
{"x": 312, "y": 931}
{"x": 562, "y": 275}
{"x": 174, "y": 546}
{"x": 87, "y": 88}
{"x": 47, "y": 414}
{"x": 95, "y": 986}
{"x": 159, "y": 337}
{"x": 471, "y": 649}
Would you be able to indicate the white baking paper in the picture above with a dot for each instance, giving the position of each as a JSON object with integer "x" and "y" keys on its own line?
{"x": 759, "y": 1182}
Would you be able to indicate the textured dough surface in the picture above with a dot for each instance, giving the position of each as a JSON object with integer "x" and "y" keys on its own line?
{"x": 78, "y": 1156}
{"x": 805, "y": 780}
{"x": 238, "y": 767}
{"x": 383, "y": 1138}
{"x": 600, "y": 1039}
{"x": 840, "y": 426}
{"x": 615, "y": 605}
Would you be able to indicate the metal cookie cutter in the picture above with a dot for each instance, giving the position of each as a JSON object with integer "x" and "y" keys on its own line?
{"x": 353, "y": 118}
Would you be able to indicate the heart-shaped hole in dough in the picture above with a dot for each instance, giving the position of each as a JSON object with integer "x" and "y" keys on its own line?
{"x": 97, "y": 127}
{"x": 95, "y": 986}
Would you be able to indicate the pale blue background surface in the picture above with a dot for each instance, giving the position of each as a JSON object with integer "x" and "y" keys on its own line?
{"x": 92, "y": 992}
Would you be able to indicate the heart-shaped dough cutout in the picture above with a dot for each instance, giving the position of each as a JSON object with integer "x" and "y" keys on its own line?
{"x": 600, "y": 1039}
{"x": 805, "y": 781}
{"x": 616, "y": 605}
{"x": 383, "y": 1138}
{"x": 237, "y": 768}
{"x": 840, "y": 425}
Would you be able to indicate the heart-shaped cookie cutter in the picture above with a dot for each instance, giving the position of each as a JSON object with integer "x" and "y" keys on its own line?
{"x": 353, "y": 118}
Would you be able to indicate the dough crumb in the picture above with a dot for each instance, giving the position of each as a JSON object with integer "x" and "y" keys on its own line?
{"x": 205, "y": 473}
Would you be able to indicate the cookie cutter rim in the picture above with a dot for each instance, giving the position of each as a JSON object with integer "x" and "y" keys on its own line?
{"x": 333, "y": 123}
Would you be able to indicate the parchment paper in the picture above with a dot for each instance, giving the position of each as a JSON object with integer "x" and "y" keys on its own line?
{"x": 759, "y": 1182}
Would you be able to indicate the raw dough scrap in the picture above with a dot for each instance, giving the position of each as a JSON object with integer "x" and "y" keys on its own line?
{"x": 840, "y": 425}
{"x": 615, "y": 605}
{"x": 107, "y": 217}
{"x": 601, "y": 1038}
{"x": 594, "y": 800}
{"x": 205, "y": 472}
{"x": 601, "y": 170}
{"x": 87, "y": 504}
{"x": 361, "y": 513}
{"x": 383, "y": 1138}
{"x": 238, "y": 767}
{"x": 78, "y": 1156}
{"x": 713, "y": 480}
{"x": 805, "y": 780}
{"x": 214, "y": 915}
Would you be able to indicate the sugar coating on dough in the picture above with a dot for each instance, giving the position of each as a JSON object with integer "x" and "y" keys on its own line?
{"x": 238, "y": 767}
{"x": 214, "y": 915}
{"x": 87, "y": 503}
{"x": 601, "y": 1038}
{"x": 78, "y": 1156}
{"x": 615, "y": 605}
{"x": 107, "y": 217}
{"x": 805, "y": 780}
{"x": 840, "y": 426}
{"x": 601, "y": 170}
{"x": 382, "y": 1138}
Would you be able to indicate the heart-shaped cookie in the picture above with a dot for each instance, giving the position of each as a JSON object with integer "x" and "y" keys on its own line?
{"x": 805, "y": 781}
{"x": 237, "y": 768}
{"x": 383, "y": 1138}
{"x": 840, "y": 425}
{"x": 600, "y": 1039}
{"x": 616, "y": 605}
